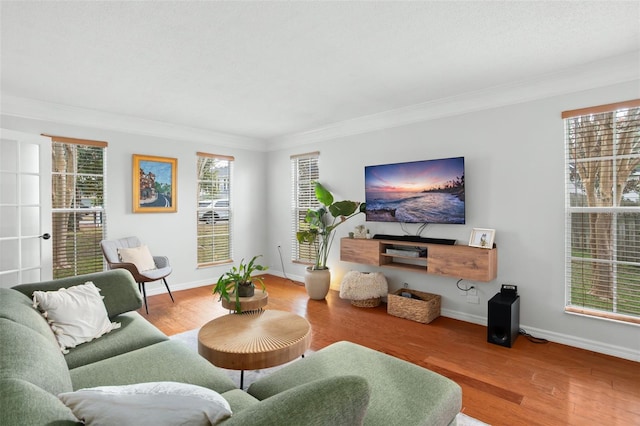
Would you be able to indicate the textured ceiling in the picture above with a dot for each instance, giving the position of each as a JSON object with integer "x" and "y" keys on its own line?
{"x": 271, "y": 69}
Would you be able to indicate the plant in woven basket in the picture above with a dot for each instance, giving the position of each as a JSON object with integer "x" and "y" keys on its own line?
{"x": 237, "y": 280}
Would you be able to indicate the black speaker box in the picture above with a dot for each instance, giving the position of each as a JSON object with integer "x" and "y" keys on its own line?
{"x": 503, "y": 319}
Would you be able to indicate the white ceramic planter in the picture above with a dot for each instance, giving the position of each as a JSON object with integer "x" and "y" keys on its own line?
{"x": 317, "y": 283}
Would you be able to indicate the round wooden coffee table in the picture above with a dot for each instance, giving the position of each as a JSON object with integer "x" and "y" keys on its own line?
{"x": 254, "y": 340}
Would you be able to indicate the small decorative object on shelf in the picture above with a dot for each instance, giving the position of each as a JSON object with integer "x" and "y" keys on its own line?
{"x": 360, "y": 232}
{"x": 482, "y": 237}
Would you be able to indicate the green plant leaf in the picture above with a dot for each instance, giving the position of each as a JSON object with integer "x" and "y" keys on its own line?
{"x": 343, "y": 208}
{"x": 323, "y": 195}
{"x": 314, "y": 217}
{"x": 307, "y": 236}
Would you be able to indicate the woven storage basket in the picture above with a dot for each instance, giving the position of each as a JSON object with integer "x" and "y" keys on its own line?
{"x": 424, "y": 310}
{"x": 367, "y": 303}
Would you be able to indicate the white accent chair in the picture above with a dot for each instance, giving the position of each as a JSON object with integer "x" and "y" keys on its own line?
{"x": 114, "y": 261}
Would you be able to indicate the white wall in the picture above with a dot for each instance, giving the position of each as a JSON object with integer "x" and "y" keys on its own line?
{"x": 172, "y": 234}
{"x": 514, "y": 179}
{"x": 514, "y": 183}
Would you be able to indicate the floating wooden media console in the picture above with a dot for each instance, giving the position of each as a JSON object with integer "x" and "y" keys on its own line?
{"x": 470, "y": 263}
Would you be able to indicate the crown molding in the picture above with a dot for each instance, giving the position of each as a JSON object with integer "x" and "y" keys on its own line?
{"x": 619, "y": 69}
{"x": 19, "y": 107}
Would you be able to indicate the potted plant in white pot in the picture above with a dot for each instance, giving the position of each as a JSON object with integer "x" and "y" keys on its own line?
{"x": 238, "y": 282}
{"x": 322, "y": 223}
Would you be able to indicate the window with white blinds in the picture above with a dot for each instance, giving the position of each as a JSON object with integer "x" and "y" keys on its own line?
{"x": 603, "y": 211}
{"x": 214, "y": 216}
{"x": 304, "y": 172}
{"x": 78, "y": 179}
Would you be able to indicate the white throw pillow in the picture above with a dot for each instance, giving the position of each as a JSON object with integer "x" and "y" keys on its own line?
{"x": 76, "y": 314}
{"x": 153, "y": 404}
{"x": 139, "y": 256}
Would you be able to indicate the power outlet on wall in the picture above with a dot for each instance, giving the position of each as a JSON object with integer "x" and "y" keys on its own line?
{"x": 473, "y": 299}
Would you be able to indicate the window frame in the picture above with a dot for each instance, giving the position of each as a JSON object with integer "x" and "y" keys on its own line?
{"x": 77, "y": 212}
{"x": 210, "y": 218}
{"x": 305, "y": 171}
{"x": 611, "y": 253}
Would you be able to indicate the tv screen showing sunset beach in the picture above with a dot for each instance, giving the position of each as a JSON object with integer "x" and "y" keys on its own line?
{"x": 430, "y": 191}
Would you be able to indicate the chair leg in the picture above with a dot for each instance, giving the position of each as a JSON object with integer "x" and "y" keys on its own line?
{"x": 144, "y": 296}
{"x": 167, "y": 286}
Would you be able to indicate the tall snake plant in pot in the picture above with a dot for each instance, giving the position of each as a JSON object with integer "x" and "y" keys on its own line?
{"x": 322, "y": 223}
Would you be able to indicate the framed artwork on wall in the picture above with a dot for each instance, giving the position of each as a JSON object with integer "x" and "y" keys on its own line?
{"x": 154, "y": 184}
{"x": 482, "y": 237}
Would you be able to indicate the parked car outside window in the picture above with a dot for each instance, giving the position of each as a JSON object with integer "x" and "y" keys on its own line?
{"x": 211, "y": 211}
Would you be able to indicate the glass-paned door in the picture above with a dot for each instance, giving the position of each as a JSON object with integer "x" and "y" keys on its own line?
{"x": 25, "y": 208}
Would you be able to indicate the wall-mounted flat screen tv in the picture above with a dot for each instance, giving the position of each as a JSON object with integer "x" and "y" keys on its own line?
{"x": 429, "y": 191}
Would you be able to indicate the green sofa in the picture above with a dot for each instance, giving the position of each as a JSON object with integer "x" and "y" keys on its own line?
{"x": 343, "y": 384}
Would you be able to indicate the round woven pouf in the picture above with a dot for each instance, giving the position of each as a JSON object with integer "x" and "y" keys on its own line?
{"x": 365, "y": 290}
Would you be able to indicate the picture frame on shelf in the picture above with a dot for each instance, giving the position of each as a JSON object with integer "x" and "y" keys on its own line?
{"x": 482, "y": 238}
{"x": 154, "y": 184}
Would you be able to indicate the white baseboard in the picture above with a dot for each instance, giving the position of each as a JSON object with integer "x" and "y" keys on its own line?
{"x": 578, "y": 342}
{"x": 159, "y": 288}
{"x": 464, "y": 316}
{"x": 565, "y": 339}
{"x": 552, "y": 336}
{"x": 298, "y": 278}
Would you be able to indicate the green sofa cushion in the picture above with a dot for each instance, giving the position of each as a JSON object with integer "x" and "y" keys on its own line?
{"x": 18, "y": 308}
{"x": 239, "y": 400}
{"x": 401, "y": 392}
{"x": 134, "y": 333}
{"x": 165, "y": 361}
{"x": 118, "y": 288}
{"x": 333, "y": 401}
{"x": 26, "y": 354}
{"x": 24, "y": 403}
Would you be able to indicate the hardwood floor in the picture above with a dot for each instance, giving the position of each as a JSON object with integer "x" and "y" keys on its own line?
{"x": 528, "y": 384}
